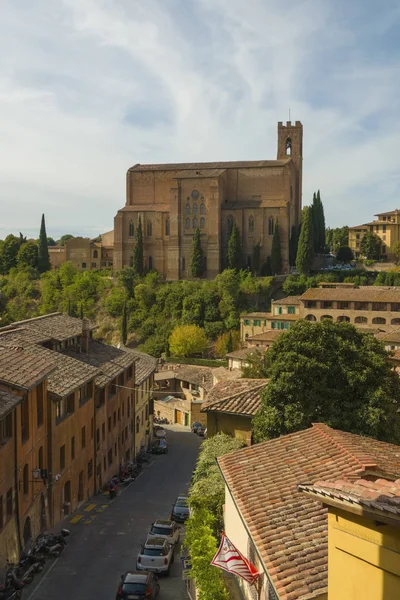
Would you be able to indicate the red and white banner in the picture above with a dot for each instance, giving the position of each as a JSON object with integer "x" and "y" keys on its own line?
{"x": 230, "y": 559}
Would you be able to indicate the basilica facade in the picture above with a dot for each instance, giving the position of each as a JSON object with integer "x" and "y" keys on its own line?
{"x": 172, "y": 200}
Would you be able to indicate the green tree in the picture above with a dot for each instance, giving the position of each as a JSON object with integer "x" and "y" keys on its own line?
{"x": 126, "y": 277}
{"x": 331, "y": 373}
{"x": 64, "y": 238}
{"x": 256, "y": 367}
{"x": 336, "y": 237}
{"x": 51, "y": 242}
{"x": 256, "y": 258}
{"x": 43, "y": 249}
{"x": 8, "y": 253}
{"x": 27, "y": 255}
{"x": 81, "y": 311}
{"x": 318, "y": 219}
{"x": 138, "y": 262}
{"x": 197, "y": 262}
{"x": 396, "y": 251}
{"x": 370, "y": 246}
{"x": 235, "y": 260}
{"x": 124, "y": 325}
{"x": 294, "y": 238}
{"x": 344, "y": 254}
{"x": 266, "y": 269}
{"x": 229, "y": 344}
{"x": 276, "y": 259}
{"x": 187, "y": 340}
{"x": 305, "y": 248}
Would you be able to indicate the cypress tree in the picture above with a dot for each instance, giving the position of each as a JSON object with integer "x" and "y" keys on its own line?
{"x": 321, "y": 226}
{"x": 229, "y": 343}
{"x": 138, "y": 263}
{"x": 43, "y": 249}
{"x": 276, "y": 259}
{"x": 315, "y": 222}
{"x": 124, "y": 324}
{"x": 234, "y": 249}
{"x": 305, "y": 249}
{"x": 266, "y": 270}
{"x": 197, "y": 262}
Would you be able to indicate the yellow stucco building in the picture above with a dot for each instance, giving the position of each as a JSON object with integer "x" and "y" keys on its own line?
{"x": 363, "y": 537}
{"x": 386, "y": 226}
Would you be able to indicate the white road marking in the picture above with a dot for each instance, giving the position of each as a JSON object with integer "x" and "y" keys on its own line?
{"x": 44, "y": 578}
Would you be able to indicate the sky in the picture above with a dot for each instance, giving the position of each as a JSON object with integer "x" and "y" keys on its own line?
{"x": 89, "y": 88}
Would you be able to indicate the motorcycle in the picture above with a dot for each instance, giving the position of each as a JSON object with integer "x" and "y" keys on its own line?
{"x": 30, "y": 559}
{"x": 14, "y": 573}
{"x": 113, "y": 489}
{"x": 51, "y": 544}
{"x": 11, "y": 589}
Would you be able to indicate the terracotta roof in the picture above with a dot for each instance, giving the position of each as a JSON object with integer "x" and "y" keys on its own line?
{"x": 366, "y": 293}
{"x": 240, "y": 397}
{"x": 390, "y": 336}
{"x": 241, "y": 164}
{"x": 54, "y": 326}
{"x": 243, "y": 353}
{"x": 290, "y": 532}
{"x": 284, "y": 317}
{"x": 256, "y": 315}
{"x": 8, "y": 401}
{"x": 223, "y": 374}
{"x": 268, "y": 336}
{"x": 363, "y": 226}
{"x": 110, "y": 361}
{"x": 68, "y": 374}
{"x": 289, "y": 300}
{"x": 396, "y": 211}
{"x": 201, "y": 376}
{"x": 145, "y": 365}
{"x": 23, "y": 369}
{"x": 381, "y": 494}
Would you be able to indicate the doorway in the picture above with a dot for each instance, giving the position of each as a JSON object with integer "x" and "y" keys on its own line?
{"x": 80, "y": 487}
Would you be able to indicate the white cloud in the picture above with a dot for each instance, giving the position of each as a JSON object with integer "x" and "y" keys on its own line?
{"x": 89, "y": 87}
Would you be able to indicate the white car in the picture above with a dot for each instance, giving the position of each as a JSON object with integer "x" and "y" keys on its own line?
{"x": 160, "y": 432}
{"x": 167, "y": 530}
{"x": 156, "y": 555}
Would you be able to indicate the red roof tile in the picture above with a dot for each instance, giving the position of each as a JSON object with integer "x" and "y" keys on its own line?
{"x": 290, "y": 531}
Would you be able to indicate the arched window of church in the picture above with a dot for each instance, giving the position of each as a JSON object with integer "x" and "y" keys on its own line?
{"x": 149, "y": 229}
{"x": 150, "y": 262}
{"x": 167, "y": 227}
{"x": 194, "y": 222}
{"x": 288, "y": 146}
{"x": 194, "y": 209}
{"x": 187, "y": 209}
{"x": 202, "y": 209}
{"x": 230, "y": 224}
{"x": 202, "y": 223}
{"x": 187, "y": 223}
{"x": 251, "y": 226}
{"x": 131, "y": 229}
{"x": 271, "y": 226}
{"x": 95, "y": 254}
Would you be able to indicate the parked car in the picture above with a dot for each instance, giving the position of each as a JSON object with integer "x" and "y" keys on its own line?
{"x": 180, "y": 509}
{"x": 136, "y": 585}
{"x": 168, "y": 530}
{"x": 160, "y": 432}
{"x": 201, "y": 431}
{"x": 156, "y": 555}
{"x": 159, "y": 446}
{"x": 195, "y": 426}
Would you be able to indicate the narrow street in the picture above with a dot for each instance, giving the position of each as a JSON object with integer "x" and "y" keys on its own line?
{"x": 106, "y": 536}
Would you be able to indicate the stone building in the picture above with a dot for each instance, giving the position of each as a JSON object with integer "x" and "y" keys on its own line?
{"x": 386, "y": 227}
{"x": 85, "y": 254}
{"x": 172, "y": 200}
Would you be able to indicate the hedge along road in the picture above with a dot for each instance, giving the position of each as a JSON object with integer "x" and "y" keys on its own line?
{"x": 105, "y": 541}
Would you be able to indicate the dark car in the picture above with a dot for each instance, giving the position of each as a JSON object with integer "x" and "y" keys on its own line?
{"x": 180, "y": 509}
{"x": 195, "y": 426}
{"x": 136, "y": 585}
{"x": 159, "y": 446}
{"x": 201, "y": 431}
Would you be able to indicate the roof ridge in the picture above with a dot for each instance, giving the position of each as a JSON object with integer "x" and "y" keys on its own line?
{"x": 322, "y": 427}
{"x": 36, "y": 318}
{"x": 238, "y": 393}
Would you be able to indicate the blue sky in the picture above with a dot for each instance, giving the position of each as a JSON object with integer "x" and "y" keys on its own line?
{"x": 91, "y": 87}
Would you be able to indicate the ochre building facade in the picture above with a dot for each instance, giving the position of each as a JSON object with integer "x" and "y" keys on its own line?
{"x": 172, "y": 200}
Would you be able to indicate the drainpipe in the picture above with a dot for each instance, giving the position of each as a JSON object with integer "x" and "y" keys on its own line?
{"x": 16, "y": 485}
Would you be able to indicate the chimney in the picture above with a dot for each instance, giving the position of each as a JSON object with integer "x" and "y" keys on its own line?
{"x": 85, "y": 335}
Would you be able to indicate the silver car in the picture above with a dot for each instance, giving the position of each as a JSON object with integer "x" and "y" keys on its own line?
{"x": 167, "y": 530}
{"x": 155, "y": 555}
{"x": 180, "y": 509}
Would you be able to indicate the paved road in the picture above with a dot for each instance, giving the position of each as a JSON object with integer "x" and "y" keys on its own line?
{"x": 104, "y": 542}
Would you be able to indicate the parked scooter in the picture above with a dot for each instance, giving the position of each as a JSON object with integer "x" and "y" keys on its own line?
{"x": 11, "y": 588}
{"x": 51, "y": 544}
{"x": 113, "y": 488}
{"x": 30, "y": 559}
{"x": 14, "y": 573}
